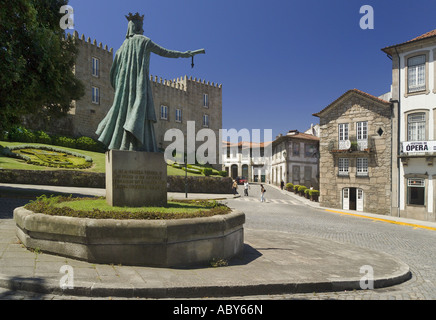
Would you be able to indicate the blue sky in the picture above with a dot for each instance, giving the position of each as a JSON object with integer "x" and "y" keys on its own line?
{"x": 279, "y": 61}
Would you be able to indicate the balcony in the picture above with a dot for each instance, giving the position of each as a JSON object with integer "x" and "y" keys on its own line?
{"x": 352, "y": 146}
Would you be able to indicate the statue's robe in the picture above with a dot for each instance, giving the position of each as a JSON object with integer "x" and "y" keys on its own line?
{"x": 129, "y": 124}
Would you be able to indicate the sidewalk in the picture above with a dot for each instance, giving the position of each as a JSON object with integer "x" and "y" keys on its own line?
{"x": 272, "y": 263}
{"x": 378, "y": 217}
{"x": 39, "y": 189}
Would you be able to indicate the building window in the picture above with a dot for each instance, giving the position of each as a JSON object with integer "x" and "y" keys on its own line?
{"x": 416, "y": 74}
{"x": 309, "y": 150}
{"x": 362, "y": 135}
{"x": 95, "y": 67}
{"x": 95, "y": 95}
{"x": 416, "y": 192}
{"x": 206, "y": 100}
{"x": 416, "y": 127}
{"x": 343, "y": 135}
{"x": 206, "y": 121}
{"x": 296, "y": 149}
{"x": 362, "y": 130}
{"x": 164, "y": 112}
{"x": 362, "y": 167}
{"x": 178, "y": 115}
{"x": 344, "y": 164}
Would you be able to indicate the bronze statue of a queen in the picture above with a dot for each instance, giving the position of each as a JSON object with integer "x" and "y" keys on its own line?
{"x": 129, "y": 124}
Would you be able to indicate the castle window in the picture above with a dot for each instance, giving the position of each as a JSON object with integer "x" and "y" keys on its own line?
{"x": 206, "y": 121}
{"x": 164, "y": 112}
{"x": 416, "y": 73}
{"x": 95, "y": 95}
{"x": 178, "y": 115}
{"x": 95, "y": 67}
{"x": 206, "y": 100}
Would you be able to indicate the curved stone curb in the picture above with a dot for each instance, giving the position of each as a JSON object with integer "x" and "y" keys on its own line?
{"x": 153, "y": 243}
{"x": 211, "y": 291}
{"x": 272, "y": 263}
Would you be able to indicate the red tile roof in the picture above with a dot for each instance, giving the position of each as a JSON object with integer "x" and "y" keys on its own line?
{"x": 356, "y": 91}
{"x": 427, "y": 35}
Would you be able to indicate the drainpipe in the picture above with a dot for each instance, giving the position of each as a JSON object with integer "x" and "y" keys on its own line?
{"x": 399, "y": 130}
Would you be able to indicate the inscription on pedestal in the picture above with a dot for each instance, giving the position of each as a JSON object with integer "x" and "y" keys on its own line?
{"x": 135, "y": 178}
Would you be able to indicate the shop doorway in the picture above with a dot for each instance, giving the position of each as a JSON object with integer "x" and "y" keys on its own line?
{"x": 352, "y": 199}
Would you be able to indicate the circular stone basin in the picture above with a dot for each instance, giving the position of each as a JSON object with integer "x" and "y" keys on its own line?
{"x": 154, "y": 243}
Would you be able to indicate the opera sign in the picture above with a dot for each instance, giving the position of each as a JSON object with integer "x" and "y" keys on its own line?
{"x": 420, "y": 146}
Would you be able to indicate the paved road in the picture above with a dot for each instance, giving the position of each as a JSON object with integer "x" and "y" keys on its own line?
{"x": 286, "y": 213}
{"x": 414, "y": 246}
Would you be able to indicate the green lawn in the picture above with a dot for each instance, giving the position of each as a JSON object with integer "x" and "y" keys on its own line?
{"x": 98, "y": 160}
{"x": 97, "y": 208}
{"x": 101, "y": 204}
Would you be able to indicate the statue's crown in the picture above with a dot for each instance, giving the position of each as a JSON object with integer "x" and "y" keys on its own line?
{"x": 132, "y": 17}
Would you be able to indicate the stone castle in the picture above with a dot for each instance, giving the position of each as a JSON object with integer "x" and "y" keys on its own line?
{"x": 176, "y": 101}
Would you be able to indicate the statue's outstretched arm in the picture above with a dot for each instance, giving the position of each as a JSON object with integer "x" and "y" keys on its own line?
{"x": 161, "y": 51}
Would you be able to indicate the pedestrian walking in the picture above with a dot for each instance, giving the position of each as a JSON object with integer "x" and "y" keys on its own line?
{"x": 246, "y": 187}
{"x": 235, "y": 187}
{"x": 262, "y": 193}
{"x": 282, "y": 184}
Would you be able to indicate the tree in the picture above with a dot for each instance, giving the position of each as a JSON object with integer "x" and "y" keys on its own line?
{"x": 36, "y": 61}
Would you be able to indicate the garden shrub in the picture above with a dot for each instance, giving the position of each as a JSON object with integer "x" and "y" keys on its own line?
{"x": 65, "y": 142}
{"x": 289, "y": 186}
{"x": 301, "y": 189}
{"x": 42, "y": 137}
{"x": 314, "y": 193}
{"x": 222, "y": 173}
{"x": 207, "y": 171}
{"x": 87, "y": 143}
{"x": 21, "y": 134}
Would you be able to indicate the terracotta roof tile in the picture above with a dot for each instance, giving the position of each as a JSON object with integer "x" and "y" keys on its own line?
{"x": 427, "y": 35}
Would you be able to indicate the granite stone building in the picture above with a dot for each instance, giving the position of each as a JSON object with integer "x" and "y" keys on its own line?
{"x": 355, "y": 153}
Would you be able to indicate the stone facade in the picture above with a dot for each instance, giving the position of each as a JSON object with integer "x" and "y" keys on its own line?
{"x": 363, "y": 180}
{"x": 86, "y": 114}
{"x": 186, "y": 99}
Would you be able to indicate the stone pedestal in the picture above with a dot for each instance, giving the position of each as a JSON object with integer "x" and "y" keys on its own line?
{"x": 136, "y": 179}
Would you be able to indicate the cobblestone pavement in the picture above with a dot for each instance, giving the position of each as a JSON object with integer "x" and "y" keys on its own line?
{"x": 413, "y": 246}
{"x": 285, "y": 213}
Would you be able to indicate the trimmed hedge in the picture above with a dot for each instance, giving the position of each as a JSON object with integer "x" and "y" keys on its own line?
{"x": 21, "y": 134}
{"x": 73, "y": 178}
